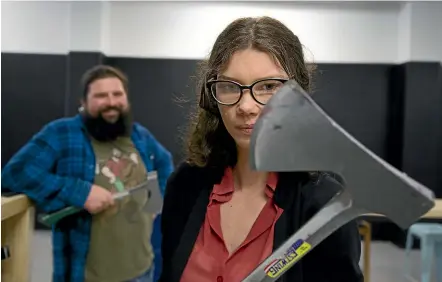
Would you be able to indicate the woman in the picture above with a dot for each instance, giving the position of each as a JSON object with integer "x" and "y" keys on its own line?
{"x": 220, "y": 218}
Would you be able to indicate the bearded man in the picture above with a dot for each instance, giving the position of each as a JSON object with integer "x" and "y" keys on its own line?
{"x": 80, "y": 161}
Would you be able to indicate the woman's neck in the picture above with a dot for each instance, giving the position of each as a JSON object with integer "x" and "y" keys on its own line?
{"x": 245, "y": 176}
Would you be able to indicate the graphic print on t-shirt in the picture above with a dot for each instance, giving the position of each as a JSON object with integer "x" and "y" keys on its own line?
{"x": 120, "y": 171}
{"x": 113, "y": 168}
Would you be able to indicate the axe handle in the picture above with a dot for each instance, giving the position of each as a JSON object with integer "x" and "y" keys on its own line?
{"x": 336, "y": 213}
{"x": 52, "y": 218}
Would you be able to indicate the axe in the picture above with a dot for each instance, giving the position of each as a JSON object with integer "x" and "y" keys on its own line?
{"x": 294, "y": 134}
{"x": 154, "y": 204}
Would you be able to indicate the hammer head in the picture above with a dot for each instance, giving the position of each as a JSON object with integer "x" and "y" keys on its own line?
{"x": 294, "y": 134}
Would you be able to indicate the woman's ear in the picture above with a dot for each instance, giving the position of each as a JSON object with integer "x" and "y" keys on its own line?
{"x": 207, "y": 103}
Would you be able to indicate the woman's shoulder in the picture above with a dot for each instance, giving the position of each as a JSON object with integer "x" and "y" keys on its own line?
{"x": 190, "y": 173}
{"x": 183, "y": 172}
{"x": 188, "y": 179}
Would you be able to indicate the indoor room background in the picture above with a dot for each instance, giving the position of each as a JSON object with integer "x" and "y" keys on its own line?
{"x": 379, "y": 72}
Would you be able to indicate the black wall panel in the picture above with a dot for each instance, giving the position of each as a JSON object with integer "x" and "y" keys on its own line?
{"x": 395, "y": 122}
{"x": 355, "y": 96}
{"x": 161, "y": 94}
{"x": 422, "y": 133}
{"x": 33, "y": 94}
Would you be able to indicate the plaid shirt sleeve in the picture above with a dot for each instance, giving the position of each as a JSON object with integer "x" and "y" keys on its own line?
{"x": 30, "y": 171}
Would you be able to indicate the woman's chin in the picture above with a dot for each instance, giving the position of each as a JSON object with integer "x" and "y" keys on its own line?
{"x": 243, "y": 143}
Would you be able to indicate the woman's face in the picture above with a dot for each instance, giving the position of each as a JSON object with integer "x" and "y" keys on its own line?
{"x": 246, "y": 67}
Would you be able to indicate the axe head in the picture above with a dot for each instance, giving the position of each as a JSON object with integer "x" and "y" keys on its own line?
{"x": 294, "y": 134}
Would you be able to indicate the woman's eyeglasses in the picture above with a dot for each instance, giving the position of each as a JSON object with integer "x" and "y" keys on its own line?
{"x": 227, "y": 92}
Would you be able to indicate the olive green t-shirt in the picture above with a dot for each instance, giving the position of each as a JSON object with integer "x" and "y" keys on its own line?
{"x": 120, "y": 247}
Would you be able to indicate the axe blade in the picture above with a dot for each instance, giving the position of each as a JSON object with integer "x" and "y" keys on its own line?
{"x": 294, "y": 134}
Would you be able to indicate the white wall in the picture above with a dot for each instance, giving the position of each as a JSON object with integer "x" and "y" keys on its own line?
{"x": 331, "y": 32}
{"x": 35, "y": 27}
{"x": 89, "y": 28}
{"x": 189, "y": 30}
{"x": 426, "y": 31}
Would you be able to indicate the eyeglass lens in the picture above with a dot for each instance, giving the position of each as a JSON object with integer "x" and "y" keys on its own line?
{"x": 229, "y": 93}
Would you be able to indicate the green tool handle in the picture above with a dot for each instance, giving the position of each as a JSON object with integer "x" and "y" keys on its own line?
{"x": 52, "y": 218}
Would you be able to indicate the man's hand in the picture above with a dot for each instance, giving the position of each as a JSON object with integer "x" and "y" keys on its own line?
{"x": 98, "y": 199}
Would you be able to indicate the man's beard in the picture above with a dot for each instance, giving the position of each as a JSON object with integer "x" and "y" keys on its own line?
{"x": 102, "y": 130}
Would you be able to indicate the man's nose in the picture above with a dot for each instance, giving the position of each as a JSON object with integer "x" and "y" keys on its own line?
{"x": 111, "y": 99}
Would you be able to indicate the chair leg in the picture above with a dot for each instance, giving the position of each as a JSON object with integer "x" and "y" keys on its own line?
{"x": 408, "y": 245}
{"x": 438, "y": 250}
{"x": 367, "y": 257}
{"x": 365, "y": 232}
{"x": 427, "y": 254}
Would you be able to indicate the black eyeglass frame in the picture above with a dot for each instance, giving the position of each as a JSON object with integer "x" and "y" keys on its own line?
{"x": 241, "y": 87}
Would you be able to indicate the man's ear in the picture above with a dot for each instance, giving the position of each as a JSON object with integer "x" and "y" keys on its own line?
{"x": 82, "y": 105}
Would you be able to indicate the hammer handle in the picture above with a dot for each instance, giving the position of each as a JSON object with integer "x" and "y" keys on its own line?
{"x": 336, "y": 213}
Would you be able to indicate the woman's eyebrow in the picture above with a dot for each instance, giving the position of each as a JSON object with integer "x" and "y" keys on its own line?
{"x": 225, "y": 77}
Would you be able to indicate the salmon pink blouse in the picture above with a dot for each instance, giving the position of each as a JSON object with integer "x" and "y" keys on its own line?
{"x": 210, "y": 260}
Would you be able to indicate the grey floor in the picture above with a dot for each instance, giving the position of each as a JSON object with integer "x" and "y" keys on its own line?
{"x": 386, "y": 263}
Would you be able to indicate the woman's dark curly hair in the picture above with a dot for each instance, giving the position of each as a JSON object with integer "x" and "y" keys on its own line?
{"x": 208, "y": 142}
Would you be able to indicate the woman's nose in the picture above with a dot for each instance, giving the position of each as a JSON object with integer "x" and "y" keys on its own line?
{"x": 247, "y": 104}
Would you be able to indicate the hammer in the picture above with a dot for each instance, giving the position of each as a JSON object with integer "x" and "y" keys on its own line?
{"x": 294, "y": 134}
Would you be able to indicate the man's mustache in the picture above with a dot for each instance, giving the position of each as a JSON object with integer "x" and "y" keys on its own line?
{"x": 118, "y": 109}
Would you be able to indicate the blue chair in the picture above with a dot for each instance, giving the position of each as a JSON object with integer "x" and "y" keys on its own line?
{"x": 430, "y": 235}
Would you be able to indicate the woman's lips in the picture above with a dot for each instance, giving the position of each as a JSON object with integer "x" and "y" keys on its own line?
{"x": 246, "y": 128}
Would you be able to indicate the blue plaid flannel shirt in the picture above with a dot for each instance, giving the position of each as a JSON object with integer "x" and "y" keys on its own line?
{"x": 56, "y": 169}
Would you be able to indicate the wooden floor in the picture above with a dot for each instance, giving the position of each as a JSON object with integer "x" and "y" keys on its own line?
{"x": 386, "y": 265}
